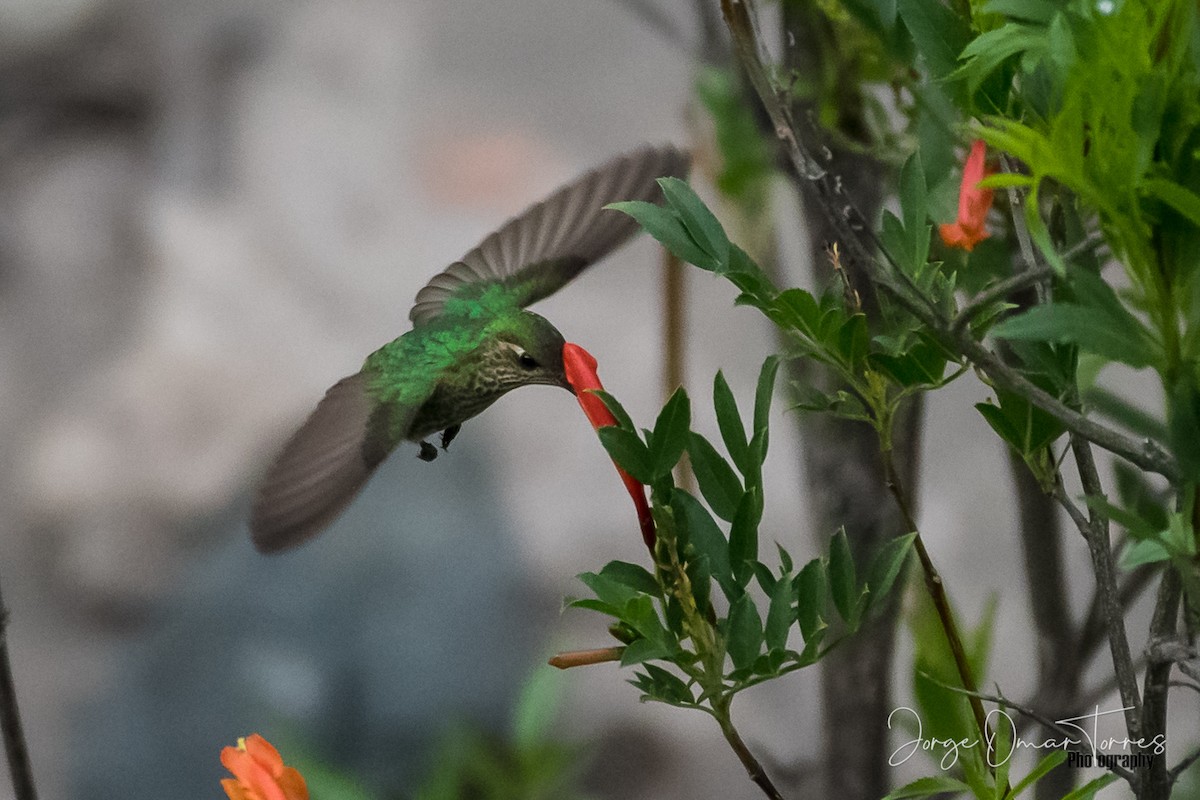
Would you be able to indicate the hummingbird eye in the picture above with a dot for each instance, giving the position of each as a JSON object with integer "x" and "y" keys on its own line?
{"x": 527, "y": 361}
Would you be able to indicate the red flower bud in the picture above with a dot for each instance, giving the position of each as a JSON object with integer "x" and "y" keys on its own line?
{"x": 973, "y": 203}
{"x": 580, "y": 367}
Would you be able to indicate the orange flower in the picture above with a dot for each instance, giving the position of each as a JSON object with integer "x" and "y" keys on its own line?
{"x": 580, "y": 367}
{"x": 259, "y": 773}
{"x": 973, "y": 203}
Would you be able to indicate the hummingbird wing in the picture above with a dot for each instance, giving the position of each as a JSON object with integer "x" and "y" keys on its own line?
{"x": 325, "y": 464}
{"x": 534, "y": 254}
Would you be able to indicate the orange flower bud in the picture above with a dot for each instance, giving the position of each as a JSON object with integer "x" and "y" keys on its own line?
{"x": 973, "y": 203}
{"x": 259, "y": 773}
{"x": 580, "y": 367}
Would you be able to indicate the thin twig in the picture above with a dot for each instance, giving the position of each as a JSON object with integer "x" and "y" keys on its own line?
{"x": 1095, "y": 530}
{"x": 1026, "y": 711}
{"x": 15, "y": 747}
{"x": 1163, "y": 625}
{"x": 753, "y": 768}
{"x": 1024, "y": 243}
{"x": 937, "y": 593}
{"x": 1093, "y": 630}
{"x": 997, "y": 292}
{"x": 1182, "y": 766}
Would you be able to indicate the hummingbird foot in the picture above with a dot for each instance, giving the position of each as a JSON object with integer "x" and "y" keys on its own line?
{"x": 428, "y": 452}
{"x": 449, "y": 434}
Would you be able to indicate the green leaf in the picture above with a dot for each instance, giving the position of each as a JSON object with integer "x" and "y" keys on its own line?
{"x": 669, "y": 230}
{"x": 670, "y": 434}
{"x": 923, "y": 364}
{"x": 729, "y": 420}
{"x": 779, "y": 615}
{"x": 707, "y": 539}
{"x": 1089, "y": 789}
{"x": 641, "y": 650}
{"x": 1122, "y": 339}
{"x": 842, "y": 582}
{"x": 667, "y": 686}
{"x": 913, "y": 193}
{"x": 718, "y": 483}
{"x": 853, "y": 340}
{"x": 763, "y": 393}
{"x": 1000, "y": 423}
{"x": 1147, "y": 551}
{"x": 927, "y": 787}
{"x": 1038, "y": 772}
{"x": 640, "y": 614}
{"x": 939, "y": 33}
{"x": 1038, "y": 231}
{"x": 745, "y": 636}
{"x": 1183, "y": 425}
{"x": 785, "y": 559}
{"x": 615, "y": 407}
{"x": 632, "y": 575}
{"x": 1031, "y": 10}
{"x": 1020, "y": 423}
{"x": 703, "y": 227}
{"x": 743, "y": 536}
{"x": 608, "y": 589}
{"x": 989, "y": 50}
{"x": 630, "y": 453}
{"x": 886, "y": 565}
{"x": 1183, "y": 200}
{"x": 810, "y": 592}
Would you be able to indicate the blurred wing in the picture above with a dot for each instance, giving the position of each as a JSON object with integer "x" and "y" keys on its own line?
{"x": 536, "y": 253}
{"x": 324, "y": 465}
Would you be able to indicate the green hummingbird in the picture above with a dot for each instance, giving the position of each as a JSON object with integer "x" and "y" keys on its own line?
{"x": 471, "y": 342}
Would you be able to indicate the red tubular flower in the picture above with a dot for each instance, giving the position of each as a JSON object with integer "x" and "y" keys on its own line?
{"x": 259, "y": 773}
{"x": 581, "y": 374}
{"x": 973, "y": 203}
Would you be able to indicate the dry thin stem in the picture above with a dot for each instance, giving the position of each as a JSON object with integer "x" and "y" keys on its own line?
{"x": 1156, "y": 783}
{"x": 1095, "y": 530}
{"x": 937, "y": 593}
{"x": 15, "y": 748}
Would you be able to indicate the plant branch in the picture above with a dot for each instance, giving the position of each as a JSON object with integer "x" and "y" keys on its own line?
{"x": 1182, "y": 766}
{"x": 1093, "y": 630}
{"x": 857, "y": 235}
{"x": 1042, "y": 719}
{"x": 15, "y": 747}
{"x": 753, "y": 768}
{"x": 1095, "y": 530}
{"x": 1157, "y": 780}
{"x": 995, "y": 293}
{"x": 937, "y": 593}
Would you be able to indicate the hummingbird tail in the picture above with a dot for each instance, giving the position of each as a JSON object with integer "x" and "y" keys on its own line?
{"x": 321, "y": 469}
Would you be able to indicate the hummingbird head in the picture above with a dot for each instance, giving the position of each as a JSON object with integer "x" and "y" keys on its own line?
{"x": 528, "y": 351}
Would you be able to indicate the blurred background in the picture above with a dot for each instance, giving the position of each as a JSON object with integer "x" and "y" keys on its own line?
{"x": 212, "y": 210}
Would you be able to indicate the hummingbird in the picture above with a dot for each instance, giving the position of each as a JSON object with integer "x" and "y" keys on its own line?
{"x": 471, "y": 342}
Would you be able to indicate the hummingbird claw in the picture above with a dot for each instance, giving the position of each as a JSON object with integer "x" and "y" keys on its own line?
{"x": 449, "y": 434}
{"x": 428, "y": 452}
